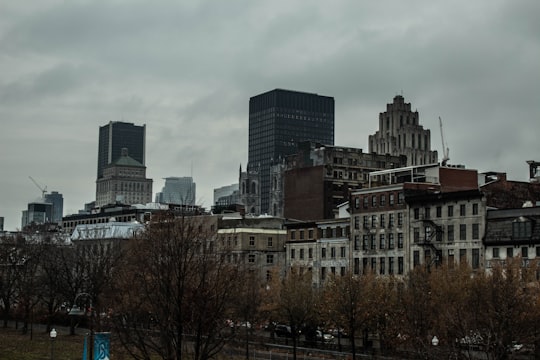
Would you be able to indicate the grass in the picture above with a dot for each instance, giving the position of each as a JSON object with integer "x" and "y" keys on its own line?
{"x": 16, "y": 346}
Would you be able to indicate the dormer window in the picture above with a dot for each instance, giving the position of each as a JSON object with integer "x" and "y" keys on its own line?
{"x": 521, "y": 228}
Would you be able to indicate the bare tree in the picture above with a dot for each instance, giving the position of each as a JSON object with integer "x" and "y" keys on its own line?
{"x": 174, "y": 290}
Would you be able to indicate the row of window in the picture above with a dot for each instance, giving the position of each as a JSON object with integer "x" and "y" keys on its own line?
{"x": 379, "y": 265}
{"x": 429, "y": 233}
{"x": 383, "y": 242}
{"x": 379, "y": 200}
{"x": 374, "y": 221}
{"x": 328, "y": 232}
{"x": 333, "y": 254}
{"x": 510, "y": 252}
{"x": 426, "y": 212}
{"x": 437, "y": 258}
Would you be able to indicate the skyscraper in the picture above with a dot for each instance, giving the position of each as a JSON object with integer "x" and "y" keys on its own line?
{"x": 57, "y": 200}
{"x": 115, "y": 136}
{"x": 278, "y": 120}
{"x": 400, "y": 133}
{"x": 177, "y": 190}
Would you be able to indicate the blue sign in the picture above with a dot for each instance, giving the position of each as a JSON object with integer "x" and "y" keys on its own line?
{"x": 102, "y": 345}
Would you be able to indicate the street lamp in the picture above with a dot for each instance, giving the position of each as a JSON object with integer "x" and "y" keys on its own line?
{"x": 77, "y": 311}
{"x": 435, "y": 341}
{"x": 52, "y": 334}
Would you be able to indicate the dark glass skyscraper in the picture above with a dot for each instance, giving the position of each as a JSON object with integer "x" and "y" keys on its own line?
{"x": 278, "y": 120}
{"x": 117, "y": 135}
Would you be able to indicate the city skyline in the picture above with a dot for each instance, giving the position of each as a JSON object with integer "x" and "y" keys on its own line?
{"x": 187, "y": 71}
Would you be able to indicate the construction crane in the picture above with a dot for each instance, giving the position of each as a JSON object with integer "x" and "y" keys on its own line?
{"x": 444, "y": 146}
{"x": 43, "y": 189}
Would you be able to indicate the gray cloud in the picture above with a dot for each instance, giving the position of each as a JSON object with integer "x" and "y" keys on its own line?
{"x": 187, "y": 70}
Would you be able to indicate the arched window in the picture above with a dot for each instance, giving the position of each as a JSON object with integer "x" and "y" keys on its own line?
{"x": 253, "y": 188}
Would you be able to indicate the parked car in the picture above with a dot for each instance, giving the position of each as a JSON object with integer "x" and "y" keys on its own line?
{"x": 324, "y": 336}
{"x": 283, "y": 331}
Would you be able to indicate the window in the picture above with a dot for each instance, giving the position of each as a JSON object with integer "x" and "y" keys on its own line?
{"x": 382, "y": 241}
{"x": 524, "y": 252}
{"x": 357, "y": 222}
{"x": 475, "y": 209}
{"x": 269, "y": 241}
{"x": 323, "y": 273}
{"x": 366, "y": 221}
{"x": 383, "y": 200}
{"x": 450, "y": 210}
{"x": 439, "y": 211}
{"x": 416, "y": 232}
{"x": 323, "y": 253}
{"x": 462, "y": 255}
{"x": 310, "y": 253}
{"x": 293, "y": 251}
{"x": 301, "y": 234}
{"x": 356, "y": 266}
{"x": 333, "y": 270}
{"x": 365, "y": 241}
{"x": 400, "y": 240}
{"x": 383, "y": 220}
{"x": 374, "y": 200}
{"x": 450, "y": 233}
{"x": 252, "y": 241}
{"x": 475, "y": 258}
{"x": 462, "y": 210}
{"x": 366, "y": 202}
{"x": 400, "y": 265}
{"x": 251, "y": 258}
{"x": 269, "y": 259}
{"x": 400, "y": 219}
{"x": 495, "y": 253}
{"x": 381, "y": 266}
{"x": 391, "y": 220}
{"x": 391, "y": 199}
{"x": 333, "y": 252}
{"x": 373, "y": 264}
{"x": 416, "y": 258}
{"x": 293, "y": 234}
{"x": 475, "y": 231}
{"x": 356, "y": 202}
{"x": 416, "y": 213}
{"x": 509, "y": 252}
{"x": 521, "y": 229}
{"x": 391, "y": 241}
{"x": 390, "y": 265}
{"x": 462, "y": 232}
{"x": 373, "y": 221}
{"x": 373, "y": 242}
{"x": 427, "y": 213}
{"x": 343, "y": 252}
{"x": 310, "y": 233}
{"x": 400, "y": 198}
{"x": 365, "y": 265}
{"x": 301, "y": 254}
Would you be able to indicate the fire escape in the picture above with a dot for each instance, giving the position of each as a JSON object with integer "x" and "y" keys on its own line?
{"x": 432, "y": 231}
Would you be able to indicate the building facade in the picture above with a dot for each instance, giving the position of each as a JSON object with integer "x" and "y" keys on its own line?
{"x": 278, "y": 120}
{"x": 177, "y": 190}
{"x": 57, "y": 201}
{"x": 437, "y": 217}
{"x": 400, "y": 133}
{"x": 115, "y": 136}
{"x": 124, "y": 181}
{"x": 318, "y": 178}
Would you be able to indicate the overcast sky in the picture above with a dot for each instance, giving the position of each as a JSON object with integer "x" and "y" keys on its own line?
{"x": 187, "y": 69}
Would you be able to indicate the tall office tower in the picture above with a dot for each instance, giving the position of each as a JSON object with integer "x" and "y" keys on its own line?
{"x": 400, "y": 133}
{"x": 115, "y": 136}
{"x": 177, "y": 190}
{"x": 57, "y": 201}
{"x": 278, "y": 120}
{"x": 38, "y": 212}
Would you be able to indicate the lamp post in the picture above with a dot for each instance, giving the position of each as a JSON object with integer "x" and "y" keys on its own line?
{"x": 52, "y": 335}
{"x": 77, "y": 311}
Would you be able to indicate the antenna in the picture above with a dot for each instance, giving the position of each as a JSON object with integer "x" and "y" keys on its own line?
{"x": 43, "y": 189}
{"x": 445, "y": 149}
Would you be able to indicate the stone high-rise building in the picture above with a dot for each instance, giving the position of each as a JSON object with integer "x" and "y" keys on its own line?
{"x": 400, "y": 133}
